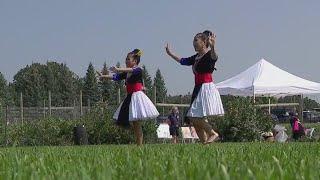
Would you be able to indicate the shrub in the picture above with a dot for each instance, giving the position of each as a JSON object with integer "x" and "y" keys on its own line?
{"x": 242, "y": 121}
{"x": 99, "y": 126}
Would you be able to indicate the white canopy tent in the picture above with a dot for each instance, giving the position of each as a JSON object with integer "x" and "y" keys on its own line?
{"x": 263, "y": 78}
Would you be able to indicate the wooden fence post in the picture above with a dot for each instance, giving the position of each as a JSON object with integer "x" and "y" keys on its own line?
{"x": 50, "y": 103}
{"x": 21, "y": 107}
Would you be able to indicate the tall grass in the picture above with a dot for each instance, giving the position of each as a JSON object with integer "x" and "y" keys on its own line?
{"x": 164, "y": 161}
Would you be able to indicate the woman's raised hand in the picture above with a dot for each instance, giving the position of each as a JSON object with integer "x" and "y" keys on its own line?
{"x": 173, "y": 56}
{"x": 114, "y": 69}
{"x": 168, "y": 49}
{"x": 212, "y": 40}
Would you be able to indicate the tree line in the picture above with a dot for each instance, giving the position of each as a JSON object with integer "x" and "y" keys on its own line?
{"x": 35, "y": 81}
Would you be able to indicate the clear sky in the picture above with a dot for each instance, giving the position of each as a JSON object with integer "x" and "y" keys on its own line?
{"x": 286, "y": 33}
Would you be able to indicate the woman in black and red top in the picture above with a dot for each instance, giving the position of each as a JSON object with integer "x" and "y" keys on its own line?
{"x": 206, "y": 99}
{"x": 136, "y": 106}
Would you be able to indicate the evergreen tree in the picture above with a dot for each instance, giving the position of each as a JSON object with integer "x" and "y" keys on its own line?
{"x": 3, "y": 87}
{"x": 3, "y": 92}
{"x": 147, "y": 80}
{"x": 119, "y": 85}
{"x": 106, "y": 86}
{"x": 160, "y": 85}
{"x": 90, "y": 88}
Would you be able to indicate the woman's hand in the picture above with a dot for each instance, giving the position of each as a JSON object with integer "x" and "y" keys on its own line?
{"x": 168, "y": 49}
{"x": 212, "y": 40}
{"x": 98, "y": 76}
{"x": 98, "y": 73}
{"x": 101, "y": 76}
{"x": 171, "y": 54}
{"x": 114, "y": 69}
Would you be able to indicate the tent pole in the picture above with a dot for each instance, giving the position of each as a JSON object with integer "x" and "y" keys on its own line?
{"x": 269, "y": 105}
{"x": 254, "y": 102}
{"x": 254, "y": 96}
{"x": 301, "y": 107}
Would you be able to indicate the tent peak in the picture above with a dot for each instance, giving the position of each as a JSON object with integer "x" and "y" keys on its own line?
{"x": 262, "y": 60}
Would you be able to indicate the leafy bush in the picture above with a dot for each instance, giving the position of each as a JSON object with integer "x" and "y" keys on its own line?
{"x": 242, "y": 121}
{"x": 99, "y": 126}
{"x": 49, "y": 131}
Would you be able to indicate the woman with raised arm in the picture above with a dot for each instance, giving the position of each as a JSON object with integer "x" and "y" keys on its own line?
{"x": 205, "y": 99}
{"x": 136, "y": 106}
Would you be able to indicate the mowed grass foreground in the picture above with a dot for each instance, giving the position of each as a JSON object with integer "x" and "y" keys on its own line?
{"x": 164, "y": 161}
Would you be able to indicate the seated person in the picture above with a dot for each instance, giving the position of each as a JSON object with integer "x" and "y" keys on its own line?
{"x": 268, "y": 136}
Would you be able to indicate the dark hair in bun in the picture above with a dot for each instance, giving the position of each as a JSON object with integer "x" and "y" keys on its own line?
{"x": 204, "y": 36}
{"x": 136, "y": 53}
{"x": 207, "y": 33}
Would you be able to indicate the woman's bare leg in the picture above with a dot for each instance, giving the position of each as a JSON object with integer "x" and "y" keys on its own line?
{"x": 212, "y": 135}
{"x": 138, "y": 132}
{"x": 200, "y": 131}
{"x": 174, "y": 139}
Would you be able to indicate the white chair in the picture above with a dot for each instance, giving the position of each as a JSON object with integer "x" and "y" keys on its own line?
{"x": 309, "y": 132}
{"x": 189, "y": 133}
{"x": 163, "y": 132}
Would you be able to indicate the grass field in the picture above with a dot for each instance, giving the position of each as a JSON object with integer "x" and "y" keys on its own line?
{"x": 164, "y": 161}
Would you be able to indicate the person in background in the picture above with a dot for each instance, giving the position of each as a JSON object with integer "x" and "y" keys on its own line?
{"x": 297, "y": 128}
{"x": 173, "y": 121}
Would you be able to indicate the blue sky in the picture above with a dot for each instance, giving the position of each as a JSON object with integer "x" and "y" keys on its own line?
{"x": 286, "y": 33}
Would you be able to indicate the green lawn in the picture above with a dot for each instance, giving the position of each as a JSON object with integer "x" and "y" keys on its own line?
{"x": 164, "y": 161}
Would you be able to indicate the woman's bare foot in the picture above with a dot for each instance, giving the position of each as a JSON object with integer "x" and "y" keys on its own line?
{"x": 213, "y": 138}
